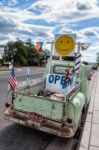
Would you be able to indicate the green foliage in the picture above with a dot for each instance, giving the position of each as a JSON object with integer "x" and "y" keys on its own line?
{"x": 24, "y": 53}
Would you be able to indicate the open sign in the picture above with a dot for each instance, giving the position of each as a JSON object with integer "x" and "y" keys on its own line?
{"x": 56, "y": 79}
{"x": 57, "y": 83}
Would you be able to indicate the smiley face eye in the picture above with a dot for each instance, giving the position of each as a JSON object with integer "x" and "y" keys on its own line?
{"x": 61, "y": 41}
{"x": 67, "y": 41}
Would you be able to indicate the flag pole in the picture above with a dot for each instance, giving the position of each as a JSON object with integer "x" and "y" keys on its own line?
{"x": 12, "y": 83}
{"x": 27, "y": 79}
{"x": 52, "y": 43}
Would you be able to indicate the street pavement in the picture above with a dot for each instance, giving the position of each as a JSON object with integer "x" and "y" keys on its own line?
{"x": 90, "y": 138}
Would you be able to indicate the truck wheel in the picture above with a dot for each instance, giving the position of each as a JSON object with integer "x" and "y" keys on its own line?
{"x": 79, "y": 128}
{"x": 85, "y": 107}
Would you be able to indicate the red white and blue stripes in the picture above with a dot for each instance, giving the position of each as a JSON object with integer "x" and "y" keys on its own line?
{"x": 77, "y": 60}
{"x": 12, "y": 80}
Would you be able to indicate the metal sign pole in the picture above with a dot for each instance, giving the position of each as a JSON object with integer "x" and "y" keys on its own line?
{"x": 52, "y": 43}
{"x": 27, "y": 74}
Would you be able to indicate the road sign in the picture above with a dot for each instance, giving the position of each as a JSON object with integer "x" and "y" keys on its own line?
{"x": 57, "y": 83}
{"x": 65, "y": 44}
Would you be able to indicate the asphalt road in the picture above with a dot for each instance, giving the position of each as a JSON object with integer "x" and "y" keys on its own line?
{"x": 13, "y": 136}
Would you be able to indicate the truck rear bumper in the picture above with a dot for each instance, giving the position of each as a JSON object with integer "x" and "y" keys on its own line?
{"x": 66, "y": 132}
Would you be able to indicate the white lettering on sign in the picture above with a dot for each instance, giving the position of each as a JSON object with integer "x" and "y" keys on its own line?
{"x": 57, "y": 83}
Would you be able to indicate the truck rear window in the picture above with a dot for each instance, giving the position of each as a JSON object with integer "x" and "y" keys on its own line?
{"x": 62, "y": 69}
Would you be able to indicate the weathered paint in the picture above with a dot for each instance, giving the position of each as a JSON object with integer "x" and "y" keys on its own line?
{"x": 75, "y": 106}
{"x": 56, "y": 83}
{"x": 56, "y": 112}
{"x": 32, "y": 89}
{"x": 49, "y": 128}
{"x": 47, "y": 108}
{"x": 84, "y": 81}
{"x": 53, "y": 63}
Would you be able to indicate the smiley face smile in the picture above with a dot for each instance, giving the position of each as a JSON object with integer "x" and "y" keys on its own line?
{"x": 64, "y": 45}
{"x": 64, "y": 49}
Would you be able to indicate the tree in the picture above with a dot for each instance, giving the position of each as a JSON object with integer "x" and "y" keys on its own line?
{"x": 17, "y": 52}
{"x": 24, "y": 53}
{"x": 33, "y": 56}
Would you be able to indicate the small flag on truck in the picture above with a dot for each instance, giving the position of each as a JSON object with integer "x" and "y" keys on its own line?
{"x": 38, "y": 46}
{"x": 12, "y": 79}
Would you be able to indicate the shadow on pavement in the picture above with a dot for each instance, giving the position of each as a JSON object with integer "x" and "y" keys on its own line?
{"x": 17, "y": 137}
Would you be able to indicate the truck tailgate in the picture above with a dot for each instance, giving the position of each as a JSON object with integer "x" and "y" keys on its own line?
{"x": 46, "y": 107}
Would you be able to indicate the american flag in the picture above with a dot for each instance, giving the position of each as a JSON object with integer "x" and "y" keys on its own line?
{"x": 12, "y": 79}
{"x": 38, "y": 46}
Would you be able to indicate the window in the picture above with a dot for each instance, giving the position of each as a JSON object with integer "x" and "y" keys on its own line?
{"x": 62, "y": 69}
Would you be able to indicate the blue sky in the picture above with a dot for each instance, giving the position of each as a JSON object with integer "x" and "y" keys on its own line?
{"x": 42, "y": 19}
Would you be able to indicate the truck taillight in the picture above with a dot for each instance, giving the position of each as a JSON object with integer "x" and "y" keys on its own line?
{"x": 69, "y": 122}
{"x": 7, "y": 105}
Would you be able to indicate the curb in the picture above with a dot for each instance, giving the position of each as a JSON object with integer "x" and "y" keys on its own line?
{"x": 5, "y": 69}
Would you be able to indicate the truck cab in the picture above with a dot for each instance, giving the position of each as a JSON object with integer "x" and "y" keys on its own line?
{"x": 50, "y": 104}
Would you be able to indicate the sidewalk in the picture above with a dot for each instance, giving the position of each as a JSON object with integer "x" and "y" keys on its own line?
{"x": 90, "y": 137}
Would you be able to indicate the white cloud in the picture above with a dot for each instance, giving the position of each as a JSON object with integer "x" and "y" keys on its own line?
{"x": 66, "y": 11}
{"x": 90, "y": 35}
{"x": 91, "y": 53}
{"x": 14, "y": 21}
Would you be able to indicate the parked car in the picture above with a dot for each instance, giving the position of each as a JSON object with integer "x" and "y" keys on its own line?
{"x": 94, "y": 67}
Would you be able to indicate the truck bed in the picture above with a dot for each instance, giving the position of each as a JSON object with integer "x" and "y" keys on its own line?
{"x": 40, "y": 105}
{"x": 50, "y": 106}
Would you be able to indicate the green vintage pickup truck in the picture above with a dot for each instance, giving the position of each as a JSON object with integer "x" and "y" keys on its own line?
{"x": 50, "y": 105}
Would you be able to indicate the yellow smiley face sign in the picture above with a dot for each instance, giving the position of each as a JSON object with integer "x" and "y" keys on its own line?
{"x": 64, "y": 45}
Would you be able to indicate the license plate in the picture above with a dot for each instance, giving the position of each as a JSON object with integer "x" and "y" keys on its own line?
{"x": 35, "y": 117}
